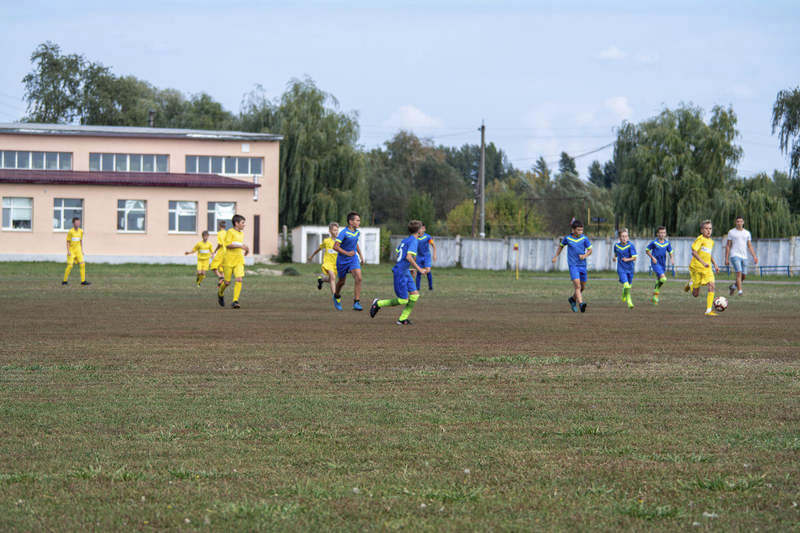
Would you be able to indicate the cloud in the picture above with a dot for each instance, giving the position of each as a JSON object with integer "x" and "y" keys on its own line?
{"x": 647, "y": 58}
{"x": 620, "y": 106}
{"x": 612, "y": 53}
{"x": 410, "y": 117}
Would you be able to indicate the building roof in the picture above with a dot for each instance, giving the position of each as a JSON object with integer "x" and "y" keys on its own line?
{"x": 24, "y": 128}
{"x": 122, "y": 179}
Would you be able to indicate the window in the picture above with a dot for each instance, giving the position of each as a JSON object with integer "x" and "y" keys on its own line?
{"x": 128, "y": 162}
{"x": 64, "y": 210}
{"x": 36, "y": 160}
{"x": 182, "y": 217}
{"x": 131, "y": 215}
{"x": 17, "y": 214}
{"x": 204, "y": 164}
{"x": 220, "y": 211}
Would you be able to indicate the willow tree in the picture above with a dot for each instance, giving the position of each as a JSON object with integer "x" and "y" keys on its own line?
{"x": 786, "y": 120}
{"x": 322, "y": 174}
{"x": 670, "y": 168}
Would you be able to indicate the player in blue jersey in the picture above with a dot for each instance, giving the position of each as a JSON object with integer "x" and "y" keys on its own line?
{"x": 404, "y": 287}
{"x": 578, "y": 249}
{"x": 424, "y": 258}
{"x": 625, "y": 256}
{"x": 658, "y": 250}
{"x": 349, "y": 261}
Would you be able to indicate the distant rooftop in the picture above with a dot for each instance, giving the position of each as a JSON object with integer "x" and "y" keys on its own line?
{"x": 23, "y": 128}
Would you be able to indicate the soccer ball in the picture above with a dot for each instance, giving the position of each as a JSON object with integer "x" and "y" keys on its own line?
{"x": 720, "y": 303}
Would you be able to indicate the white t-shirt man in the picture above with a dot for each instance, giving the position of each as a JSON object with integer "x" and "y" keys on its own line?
{"x": 739, "y": 240}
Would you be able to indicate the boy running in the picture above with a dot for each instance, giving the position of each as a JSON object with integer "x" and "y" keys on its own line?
{"x": 219, "y": 252}
{"x": 203, "y": 249}
{"x": 625, "y": 256}
{"x": 579, "y": 248}
{"x": 657, "y": 251}
{"x": 739, "y": 242}
{"x": 233, "y": 264}
{"x": 404, "y": 287}
{"x": 328, "y": 258}
{"x": 700, "y": 268}
{"x": 347, "y": 261}
{"x": 424, "y": 258}
{"x": 75, "y": 251}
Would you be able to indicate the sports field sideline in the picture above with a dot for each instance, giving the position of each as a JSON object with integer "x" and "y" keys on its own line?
{"x": 138, "y": 403}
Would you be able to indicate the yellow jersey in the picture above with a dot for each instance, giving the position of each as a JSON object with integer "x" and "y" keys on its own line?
{"x": 703, "y": 247}
{"x": 328, "y": 253}
{"x": 75, "y": 238}
{"x": 221, "y": 240}
{"x": 203, "y": 249}
{"x": 234, "y": 256}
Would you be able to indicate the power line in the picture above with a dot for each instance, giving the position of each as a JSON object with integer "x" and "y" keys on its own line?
{"x": 595, "y": 150}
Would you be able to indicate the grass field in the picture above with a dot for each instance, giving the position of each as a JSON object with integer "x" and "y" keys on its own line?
{"x": 138, "y": 403}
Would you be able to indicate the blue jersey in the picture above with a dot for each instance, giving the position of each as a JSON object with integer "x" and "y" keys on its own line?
{"x": 423, "y": 248}
{"x": 576, "y": 246}
{"x": 660, "y": 251}
{"x": 626, "y": 251}
{"x": 408, "y": 246}
{"x": 348, "y": 241}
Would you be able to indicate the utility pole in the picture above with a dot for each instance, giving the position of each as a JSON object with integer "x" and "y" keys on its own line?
{"x": 482, "y": 177}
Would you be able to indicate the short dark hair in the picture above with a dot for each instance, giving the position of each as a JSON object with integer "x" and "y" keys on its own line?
{"x": 413, "y": 226}
{"x": 205, "y": 232}
{"x": 222, "y": 222}
{"x": 351, "y": 215}
{"x": 75, "y": 218}
{"x": 660, "y": 228}
{"x": 740, "y": 216}
{"x": 237, "y": 218}
{"x": 576, "y": 224}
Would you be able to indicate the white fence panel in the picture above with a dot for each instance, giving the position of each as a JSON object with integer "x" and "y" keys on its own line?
{"x": 484, "y": 254}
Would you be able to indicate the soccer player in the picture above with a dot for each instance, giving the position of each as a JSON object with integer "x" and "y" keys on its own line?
{"x": 348, "y": 262}
{"x": 233, "y": 263}
{"x": 700, "y": 269}
{"x": 424, "y": 258}
{"x": 328, "y": 258}
{"x": 625, "y": 256}
{"x": 578, "y": 249}
{"x": 203, "y": 249}
{"x": 657, "y": 251}
{"x": 75, "y": 251}
{"x": 405, "y": 289}
{"x": 739, "y": 242}
{"x": 219, "y": 252}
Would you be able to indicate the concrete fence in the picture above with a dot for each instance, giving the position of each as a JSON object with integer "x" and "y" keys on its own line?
{"x": 535, "y": 254}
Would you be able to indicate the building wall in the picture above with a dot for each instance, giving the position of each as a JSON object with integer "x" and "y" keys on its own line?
{"x": 100, "y": 222}
{"x": 177, "y": 149}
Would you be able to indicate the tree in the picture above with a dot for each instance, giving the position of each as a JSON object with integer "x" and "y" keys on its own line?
{"x": 541, "y": 169}
{"x": 420, "y": 207}
{"x": 786, "y": 118}
{"x": 670, "y": 168}
{"x": 53, "y": 88}
{"x": 566, "y": 165}
{"x": 596, "y": 175}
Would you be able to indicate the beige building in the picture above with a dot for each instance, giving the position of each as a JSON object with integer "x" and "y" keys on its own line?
{"x": 143, "y": 194}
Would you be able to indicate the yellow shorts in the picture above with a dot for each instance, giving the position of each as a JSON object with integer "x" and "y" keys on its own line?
{"x": 235, "y": 271}
{"x": 329, "y": 270}
{"x": 217, "y": 262}
{"x": 75, "y": 256}
{"x": 202, "y": 264}
{"x": 701, "y": 277}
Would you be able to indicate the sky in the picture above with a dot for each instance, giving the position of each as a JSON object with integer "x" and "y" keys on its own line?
{"x": 544, "y": 77}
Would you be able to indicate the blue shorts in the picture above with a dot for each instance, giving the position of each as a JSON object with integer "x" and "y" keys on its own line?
{"x": 343, "y": 266}
{"x": 625, "y": 276}
{"x": 739, "y": 264}
{"x": 424, "y": 261}
{"x": 403, "y": 284}
{"x": 658, "y": 270}
{"x": 578, "y": 272}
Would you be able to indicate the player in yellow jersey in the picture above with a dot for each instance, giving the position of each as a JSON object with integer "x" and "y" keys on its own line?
{"x": 700, "y": 269}
{"x": 219, "y": 252}
{"x": 233, "y": 264}
{"x": 328, "y": 258}
{"x": 75, "y": 251}
{"x": 203, "y": 249}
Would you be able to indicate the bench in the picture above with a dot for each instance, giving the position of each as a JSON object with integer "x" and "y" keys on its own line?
{"x": 775, "y": 268}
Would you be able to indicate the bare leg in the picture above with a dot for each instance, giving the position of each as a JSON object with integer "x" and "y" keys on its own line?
{"x": 332, "y": 281}
{"x": 739, "y": 279}
{"x": 357, "y": 289}
{"x": 340, "y": 284}
{"x": 576, "y": 283}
